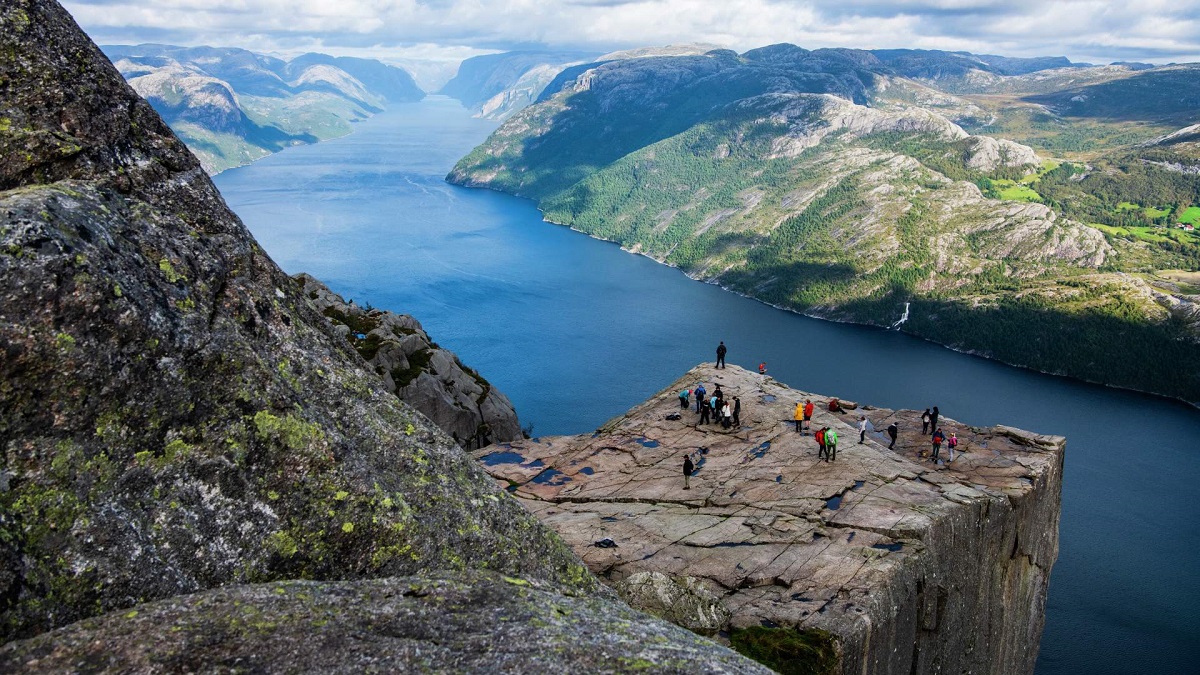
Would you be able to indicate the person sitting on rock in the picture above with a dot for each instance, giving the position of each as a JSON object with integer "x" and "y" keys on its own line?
{"x": 688, "y": 468}
{"x": 762, "y": 368}
{"x": 835, "y": 405}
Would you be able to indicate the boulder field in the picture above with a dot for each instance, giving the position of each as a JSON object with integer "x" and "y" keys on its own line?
{"x": 882, "y": 561}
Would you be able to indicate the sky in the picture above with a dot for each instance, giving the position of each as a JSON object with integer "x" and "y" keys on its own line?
{"x": 1156, "y": 31}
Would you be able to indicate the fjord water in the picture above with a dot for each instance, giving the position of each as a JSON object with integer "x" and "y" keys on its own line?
{"x": 576, "y": 331}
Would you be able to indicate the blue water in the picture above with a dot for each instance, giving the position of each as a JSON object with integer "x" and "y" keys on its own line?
{"x": 575, "y": 331}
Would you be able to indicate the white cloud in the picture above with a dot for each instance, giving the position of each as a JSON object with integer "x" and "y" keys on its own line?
{"x": 1095, "y": 30}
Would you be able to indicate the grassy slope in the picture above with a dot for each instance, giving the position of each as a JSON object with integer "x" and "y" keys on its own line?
{"x": 799, "y": 233}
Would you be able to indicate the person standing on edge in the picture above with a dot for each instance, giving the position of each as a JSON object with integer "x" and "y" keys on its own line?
{"x": 819, "y": 437}
{"x": 688, "y": 468}
{"x": 705, "y": 409}
{"x": 925, "y": 422}
{"x": 952, "y": 444}
{"x": 683, "y": 399}
{"x": 893, "y": 431}
{"x": 830, "y": 445}
{"x": 700, "y": 392}
{"x": 737, "y": 412}
{"x": 799, "y": 417}
{"x": 808, "y": 413}
{"x": 721, "y": 354}
{"x": 938, "y": 437}
{"x": 862, "y": 429}
{"x": 933, "y": 418}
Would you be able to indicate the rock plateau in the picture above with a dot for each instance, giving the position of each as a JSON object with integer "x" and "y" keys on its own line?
{"x": 912, "y": 566}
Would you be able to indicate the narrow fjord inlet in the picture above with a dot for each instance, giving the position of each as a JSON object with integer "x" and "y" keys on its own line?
{"x": 577, "y": 331}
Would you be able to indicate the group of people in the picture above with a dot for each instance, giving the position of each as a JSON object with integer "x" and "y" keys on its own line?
{"x": 929, "y": 420}
{"x": 714, "y": 408}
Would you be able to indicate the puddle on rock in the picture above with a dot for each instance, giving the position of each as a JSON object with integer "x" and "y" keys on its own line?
{"x": 649, "y": 443}
{"x": 889, "y": 547}
{"x": 498, "y": 458}
{"x": 587, "y": 471}
{"x": 834, "y": 503}
{"x": 552, "y": 478}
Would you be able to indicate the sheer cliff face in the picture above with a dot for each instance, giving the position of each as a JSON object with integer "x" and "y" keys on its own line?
{"x": 174, "y": 413}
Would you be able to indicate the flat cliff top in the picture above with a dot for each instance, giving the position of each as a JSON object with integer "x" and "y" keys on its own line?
{"x": 779, "y": 535}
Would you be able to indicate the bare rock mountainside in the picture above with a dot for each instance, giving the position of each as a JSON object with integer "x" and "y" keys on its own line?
{"x": 431, "y": 379}
{"x": 880, "y": 561}
{"x": 846, "y": 185}
{"x": 176, "y": 416}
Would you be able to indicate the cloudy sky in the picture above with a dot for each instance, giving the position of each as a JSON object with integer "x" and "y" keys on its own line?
{"x": 1158, "y": 31}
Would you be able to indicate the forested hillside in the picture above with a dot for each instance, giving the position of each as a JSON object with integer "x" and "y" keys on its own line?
{"x": 833, "y": 183}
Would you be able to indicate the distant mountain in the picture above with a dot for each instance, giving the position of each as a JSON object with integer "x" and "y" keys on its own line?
{"x": 837, "y": 182}
{"x": 497, "y": 85}
{"x": 232, "y": 106}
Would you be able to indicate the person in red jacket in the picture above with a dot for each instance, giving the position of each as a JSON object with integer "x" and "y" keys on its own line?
{"x": 808, "y": 413}
{"x": 938, "y": 437}
{"x": 822, "y": 453}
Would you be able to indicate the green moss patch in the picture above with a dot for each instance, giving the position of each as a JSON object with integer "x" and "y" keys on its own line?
{"x": 789, "y": 651}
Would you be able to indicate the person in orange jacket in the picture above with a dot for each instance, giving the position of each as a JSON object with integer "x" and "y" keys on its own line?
{"x": 808, "y": 413}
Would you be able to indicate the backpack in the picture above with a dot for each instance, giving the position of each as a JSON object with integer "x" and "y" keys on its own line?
{"x": 831, "y": 437}
{"x": 820, "y": 437}
{"x": 939, "y": 437}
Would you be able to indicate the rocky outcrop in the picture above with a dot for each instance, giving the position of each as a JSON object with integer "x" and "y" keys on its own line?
{"x": 427, "y": 377}
{"x": 911, "y": 565}
{"x": 448, "y": 623}
{"x": 174, "y": 413}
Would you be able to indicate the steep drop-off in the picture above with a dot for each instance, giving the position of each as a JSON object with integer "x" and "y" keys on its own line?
{"x": 879, "y": 562}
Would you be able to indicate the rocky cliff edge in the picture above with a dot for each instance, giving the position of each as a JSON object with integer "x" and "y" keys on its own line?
{"x": 881, "y": 561}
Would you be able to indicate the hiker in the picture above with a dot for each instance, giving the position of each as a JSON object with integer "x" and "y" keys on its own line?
{"x": 762, "y": 368}
{"x": 737, "y": 412}
{"x": 808, "y": 413}
{"x": 938, "y": 437}
{"x": 951, "y": 445}
{"x": 683, "y": 399}
{"x": 820, "y": 439}
{"x": 721, "y": 354}
{"x": 718, "y": 393}
{"x": 705, "y": 410}
{"x": 830, "y": 445}
{"x": 933, "y": 418}
{"x": 726, "y": 415}
{"x": 925, "y": 422}
{"x": 799, "y": 417}
{"x": 715, "y": 404}
{"x": 862, "y": 429}
{"x": 699, "y": 391}
{"x": 835, "y": 405}
{"x": 688, "y": 468}
{"x": 893, "y": 431}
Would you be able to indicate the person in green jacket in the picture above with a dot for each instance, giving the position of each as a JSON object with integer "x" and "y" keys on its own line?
{"x": 830, "y": 445}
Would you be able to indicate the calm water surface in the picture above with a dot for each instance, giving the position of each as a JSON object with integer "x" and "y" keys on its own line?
{"x": 576, "y": 331}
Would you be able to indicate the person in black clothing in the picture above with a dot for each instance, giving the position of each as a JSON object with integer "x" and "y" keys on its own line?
{"x": 688, "y": 468}
{"x": 933, "y": 418}
{"x": 721, "y": 354}
{"x": 893, "y": 431}
{"x": 737, "y": 411}
{"x": 718, "y": 393}
{"x": 925, "y": 422}
{"x": 705, "y": 410}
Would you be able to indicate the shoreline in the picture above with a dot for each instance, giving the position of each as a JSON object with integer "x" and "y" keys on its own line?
{"x": 1195, "y": 405}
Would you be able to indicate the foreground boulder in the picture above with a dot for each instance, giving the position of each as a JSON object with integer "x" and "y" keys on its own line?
{"x": 431, "y": 379}
{"x": 880, "y": 561}
{"x": 448, "y": 623}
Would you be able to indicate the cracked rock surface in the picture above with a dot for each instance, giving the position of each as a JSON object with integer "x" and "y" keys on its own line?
{"x": 915, "y": 566}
